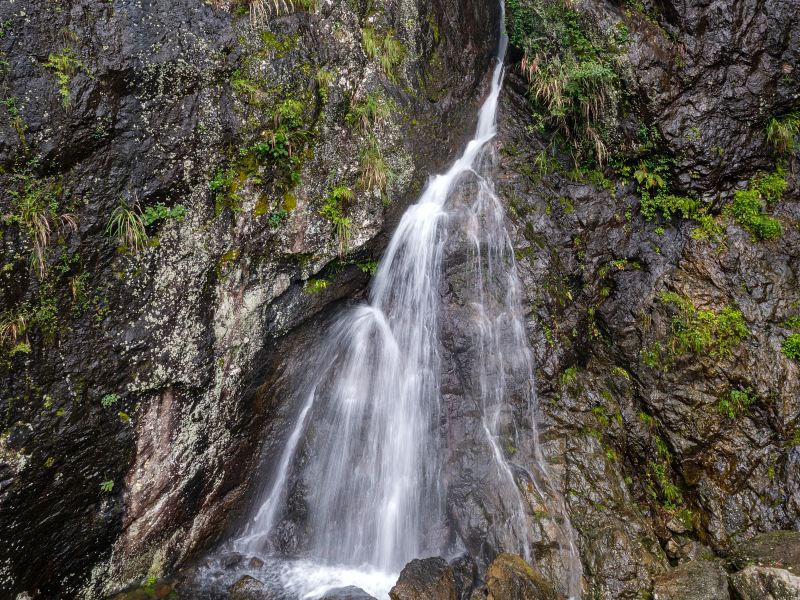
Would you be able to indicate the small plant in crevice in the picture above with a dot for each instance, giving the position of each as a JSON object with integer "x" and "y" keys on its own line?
{"x": 374, "y": 171}
{"x": 315, "y": 286}
{"x": 369, "y": 113}
{"x": 36, "y": 210}
{"x": 385, "y": 48}
{"x": 736, "y": 403}
{"x": 127, "y": 227}
{"x": 334, "y": 210}
{"x": 782, "y": 131}
{"x": 323, "y": 79}
{"x": 16, "y": 119}
{"x": 64, "y": 66}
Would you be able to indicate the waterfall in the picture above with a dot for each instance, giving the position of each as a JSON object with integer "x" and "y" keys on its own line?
{"x": 371, "y": 406}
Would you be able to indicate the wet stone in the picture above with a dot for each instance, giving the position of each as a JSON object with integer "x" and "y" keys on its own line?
{"x": 509, "y": 577}
{"x": 428, "y": 579}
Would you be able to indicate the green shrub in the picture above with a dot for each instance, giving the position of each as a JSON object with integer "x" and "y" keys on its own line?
{"x": 791, "y": 347}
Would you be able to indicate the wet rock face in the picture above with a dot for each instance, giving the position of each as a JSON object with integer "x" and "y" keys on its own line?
{"x": 138, "y": 387}
{"x": 718, "y": 68}
{"x": 665, "y": 452}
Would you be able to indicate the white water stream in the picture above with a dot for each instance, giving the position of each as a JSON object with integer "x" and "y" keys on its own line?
{"x": 376, "y": 493}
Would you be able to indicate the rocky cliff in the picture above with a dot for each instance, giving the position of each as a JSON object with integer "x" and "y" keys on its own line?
{"x": 192, "y": 189}
{"x": 187, "y": 186}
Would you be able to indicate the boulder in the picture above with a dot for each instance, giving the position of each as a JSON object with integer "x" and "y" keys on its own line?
{"x": 350, "y": 592}
{"x": 765, "y": 583}
{"x": 695, "y": 580}
{"x": 779, "y": 549}
{"x": 425, "y": 579}
{"x": 509, "y": 577}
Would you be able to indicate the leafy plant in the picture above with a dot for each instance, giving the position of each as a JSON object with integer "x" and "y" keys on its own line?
{"x": 109, "y": 400}
{"x": 749, "y": 206}
{"x": 107, "y": 486}
{"x": 736, "y": 403}
{"x": 64, "y": 65}
{"x": 127, "y": 226}
{"x": 160, "y": 212}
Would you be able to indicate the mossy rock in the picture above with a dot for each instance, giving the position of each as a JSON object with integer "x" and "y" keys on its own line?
{"x": 509, "y": 577}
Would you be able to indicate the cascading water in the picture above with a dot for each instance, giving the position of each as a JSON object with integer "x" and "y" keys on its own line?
{"x": 372, "y": 410}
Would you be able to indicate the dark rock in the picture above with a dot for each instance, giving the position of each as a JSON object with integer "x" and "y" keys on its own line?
{"x": 465, "y": 571}
{"x": 509, "y": 577}
{"x": 250, "y": 588}
{"x": 425, "y": 579}
{"x": 255, "y": 563}
{"x": 765, "y": 583}
{"x": 698, "y": 579}
{"x": 350, "y": 592}
{"x": 230, "y": 560}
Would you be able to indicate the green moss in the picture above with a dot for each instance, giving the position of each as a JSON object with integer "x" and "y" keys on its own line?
{"x": 749, "y": 206}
